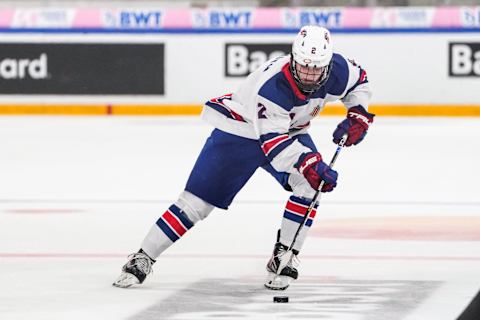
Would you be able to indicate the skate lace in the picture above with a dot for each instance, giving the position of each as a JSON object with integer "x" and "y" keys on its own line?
{"x": 141, "y": 262}
{"x": 294, "y": 261}
{"x": 281, "y": 252}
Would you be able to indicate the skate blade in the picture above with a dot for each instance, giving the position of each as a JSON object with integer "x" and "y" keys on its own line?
{"x": 125, "y": 280}
{"x": 277, "y": 282}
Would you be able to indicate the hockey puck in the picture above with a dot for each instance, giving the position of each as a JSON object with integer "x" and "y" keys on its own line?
{"x": 280, "y": 299}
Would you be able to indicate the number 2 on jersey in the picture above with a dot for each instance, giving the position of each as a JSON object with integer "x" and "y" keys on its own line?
{"x": 261, "y": 111}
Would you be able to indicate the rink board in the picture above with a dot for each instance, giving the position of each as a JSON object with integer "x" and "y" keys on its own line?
{"x": 411, "y": 72}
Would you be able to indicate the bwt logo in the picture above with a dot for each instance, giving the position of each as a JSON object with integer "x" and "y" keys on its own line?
{"x": 323, "y": 18}
{"x": 230, "y": 19}
{"x": 413, "y": 15}
{"x": 223, "y": 19}
{"x": 131, "y": 19}
{"x": 470, "y": 16}
{"x": 328, "y": 18}
{"x": 23, "y": 68}
{"x": 464, "y": 59}
{"x": 241, "y": 59}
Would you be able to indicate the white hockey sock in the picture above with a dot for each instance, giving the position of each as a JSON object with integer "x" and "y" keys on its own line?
{"x": 292, "y": 218}
{"x": 175, "y": 222}
{"x": 170, "y": 227}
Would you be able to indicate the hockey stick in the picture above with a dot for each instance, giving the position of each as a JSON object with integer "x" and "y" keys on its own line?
{"x": 315, "y": 199}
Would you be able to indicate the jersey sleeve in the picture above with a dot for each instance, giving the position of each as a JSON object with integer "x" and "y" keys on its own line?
{"x": 358, "y": 90}
{"x": 272, "y": 124}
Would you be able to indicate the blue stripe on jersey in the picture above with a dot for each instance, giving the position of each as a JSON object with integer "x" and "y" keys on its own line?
{"x": 166, "y": 229}
{"x": 282, "y": 146}
{"x": 296, "y": 218}
{"x": 268, "y": 136}
{"x": 338, "y": 79}
{"x": 181, "y": 216}
{"x": 220, "y": 109}
{"x": 277, "y": 90}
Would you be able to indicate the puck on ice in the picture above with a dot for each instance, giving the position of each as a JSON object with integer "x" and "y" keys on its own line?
{"x": 280, "y": 299}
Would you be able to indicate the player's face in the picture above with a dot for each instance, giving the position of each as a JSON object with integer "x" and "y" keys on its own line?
{"x": 309, "y": 75}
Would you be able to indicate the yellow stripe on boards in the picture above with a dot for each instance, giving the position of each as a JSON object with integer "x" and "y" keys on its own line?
{"x": 412, "y": 110}
{"x": 427, "y": 110}
{"x": 51, "y": 109}
{"x": 195, "y": 109}
{"x": 160, "y": 110}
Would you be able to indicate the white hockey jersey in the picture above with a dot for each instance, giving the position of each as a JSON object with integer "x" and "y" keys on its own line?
{"x": 269, "y": 107}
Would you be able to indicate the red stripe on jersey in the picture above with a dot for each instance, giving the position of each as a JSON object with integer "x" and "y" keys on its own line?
{"x": 363, "y": 77}
{"x": 269, "y": 145}
{"x": 174, "y": 223}
{"x": 291, "y": 81}
{"x": 236, "y": 116}
{"x": 299, "y": 209}
{"x": 219, "y": 101}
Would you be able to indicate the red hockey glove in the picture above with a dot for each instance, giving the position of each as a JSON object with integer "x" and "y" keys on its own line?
{"x": 315, "y": 170}
{"x": 356, "y": 126}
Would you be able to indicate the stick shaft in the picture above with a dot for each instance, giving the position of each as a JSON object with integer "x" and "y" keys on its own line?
{"x": 316, "y": 197}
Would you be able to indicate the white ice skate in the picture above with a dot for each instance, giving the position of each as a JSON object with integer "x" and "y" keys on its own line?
{"x": 135, "y": 270}
{"x": 281, "y": 280}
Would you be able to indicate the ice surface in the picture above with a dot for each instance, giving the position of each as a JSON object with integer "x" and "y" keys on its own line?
{"x": 398, "y": 239}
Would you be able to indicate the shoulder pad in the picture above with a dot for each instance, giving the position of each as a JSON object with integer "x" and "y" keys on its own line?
{"x": 277, "y": 90}
{"x": 338, "y": 80}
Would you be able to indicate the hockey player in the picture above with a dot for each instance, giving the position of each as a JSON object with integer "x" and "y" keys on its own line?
{"x": 264, "y": 124}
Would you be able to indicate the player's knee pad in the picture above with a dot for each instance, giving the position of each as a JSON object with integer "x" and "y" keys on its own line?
{"x": 195, "y": 208}
{"x": 300, "y": 186}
